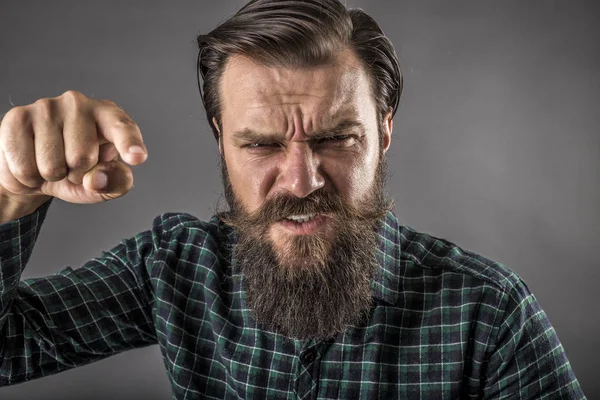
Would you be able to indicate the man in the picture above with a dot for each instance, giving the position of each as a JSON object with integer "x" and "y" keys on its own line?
{"x": 307, "y": 286}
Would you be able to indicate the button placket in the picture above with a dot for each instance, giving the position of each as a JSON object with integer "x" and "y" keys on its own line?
{"x": 306, "y": 384}
{"x": 308, "y": 356}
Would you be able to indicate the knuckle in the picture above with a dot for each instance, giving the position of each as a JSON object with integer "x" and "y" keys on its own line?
{"x": 16, "y": 116}
{"x": 44, "y": 109}
{"x": 53, "y": 173}
{"x": 112, "y": 104}
{"x": 73, "y": 99}
{"x": 124, "y": 121}
{"x": 26, "y": 175}
{"x": 72, "y": 95}
{"x": 81, "y": 161}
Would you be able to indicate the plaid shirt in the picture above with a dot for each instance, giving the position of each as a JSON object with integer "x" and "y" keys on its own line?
{"x": 445, "y": 323}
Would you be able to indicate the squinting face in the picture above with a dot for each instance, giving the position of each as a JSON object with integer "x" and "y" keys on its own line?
{"x": 303, "y": 175}
{"x": 294, "y": 132}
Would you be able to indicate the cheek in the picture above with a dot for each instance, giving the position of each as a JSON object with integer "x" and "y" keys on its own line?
{"x": 352, "y": 177}
{"x": 251, "y": 181}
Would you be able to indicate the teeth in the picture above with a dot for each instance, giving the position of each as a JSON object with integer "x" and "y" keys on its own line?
{"x": 302, "y": 218}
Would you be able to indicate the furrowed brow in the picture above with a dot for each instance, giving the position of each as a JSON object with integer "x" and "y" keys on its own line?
{"x": 248, "y": 135}
{"x": 343, "y": 127}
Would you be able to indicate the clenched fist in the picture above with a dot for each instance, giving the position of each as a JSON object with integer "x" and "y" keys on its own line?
{"x": 62, "y": 146}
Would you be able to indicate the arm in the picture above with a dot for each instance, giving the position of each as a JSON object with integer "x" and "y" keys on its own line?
{"x": 77, "y": 316}
{"x": 527, "y": 357}
{"x": 12, "y": 209}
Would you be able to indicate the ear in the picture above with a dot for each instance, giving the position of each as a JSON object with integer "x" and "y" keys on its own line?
{"x": 214, "y": 122}
{"x": 388, "y": 125}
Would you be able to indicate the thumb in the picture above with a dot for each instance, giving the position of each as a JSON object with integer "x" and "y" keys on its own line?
{"x": 111, "y": 177}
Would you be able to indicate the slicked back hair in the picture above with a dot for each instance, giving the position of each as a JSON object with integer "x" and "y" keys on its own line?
{"x": 298, "y": 34}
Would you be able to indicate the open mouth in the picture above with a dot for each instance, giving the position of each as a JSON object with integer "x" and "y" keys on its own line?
{"x": 301, "y": 217}
{"x": 304, "y": 224}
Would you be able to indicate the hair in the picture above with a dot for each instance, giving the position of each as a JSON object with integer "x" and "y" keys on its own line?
{"x": 298, "y": 34}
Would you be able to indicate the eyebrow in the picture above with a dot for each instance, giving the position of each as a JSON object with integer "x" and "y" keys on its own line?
{"x": 249, "y": 135}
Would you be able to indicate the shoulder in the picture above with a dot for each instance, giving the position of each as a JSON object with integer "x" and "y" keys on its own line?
{"x": 170, "y": 222}
{"x": 184, "y": 229}
{"x": 432, "y": 254}
{"x": 458, "y": 275}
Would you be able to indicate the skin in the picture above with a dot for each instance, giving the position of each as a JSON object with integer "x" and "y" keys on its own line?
{"x": 294, "y": 146}
{"x": 55, "y": 147}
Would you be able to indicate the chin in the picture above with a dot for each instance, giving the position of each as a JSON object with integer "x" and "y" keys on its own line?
{"x": 304, "y": 252}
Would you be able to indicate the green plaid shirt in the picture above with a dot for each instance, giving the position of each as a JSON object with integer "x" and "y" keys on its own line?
{"x": 445, "y": 323}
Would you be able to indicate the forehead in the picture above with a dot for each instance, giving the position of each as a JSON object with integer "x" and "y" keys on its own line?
{"x": 257, "y": 94}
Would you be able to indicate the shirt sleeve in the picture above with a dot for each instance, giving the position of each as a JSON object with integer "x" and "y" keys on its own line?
{"x": 76, "y": 316}
{"x": 527, "y": 360}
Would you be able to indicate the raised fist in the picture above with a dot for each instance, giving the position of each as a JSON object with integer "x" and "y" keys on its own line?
{"x": 60, "y": 147}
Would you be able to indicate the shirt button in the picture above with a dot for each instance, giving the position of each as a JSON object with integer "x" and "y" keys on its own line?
{"x": 308, "y": 357}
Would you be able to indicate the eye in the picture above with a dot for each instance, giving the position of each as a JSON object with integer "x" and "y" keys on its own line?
{"x": 260, "y": 145}
{"x": 337, "y": 140}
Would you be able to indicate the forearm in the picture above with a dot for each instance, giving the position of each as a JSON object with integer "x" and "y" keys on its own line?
{"x": 76, "y": 316}
{"x": 71, "y": 319}
{"x": 17, "y": 240}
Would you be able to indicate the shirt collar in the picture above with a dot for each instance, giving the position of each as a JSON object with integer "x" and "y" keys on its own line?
{"x": 386, "y": 280}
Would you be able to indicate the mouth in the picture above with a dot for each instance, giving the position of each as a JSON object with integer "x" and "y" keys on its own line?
{"x": 303, "y": 224}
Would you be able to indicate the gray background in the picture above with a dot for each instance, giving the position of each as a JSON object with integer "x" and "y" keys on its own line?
{"x": 495, "y": 144}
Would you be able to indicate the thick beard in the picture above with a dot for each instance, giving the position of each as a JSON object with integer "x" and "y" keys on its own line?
{"x": 318, "y": 286}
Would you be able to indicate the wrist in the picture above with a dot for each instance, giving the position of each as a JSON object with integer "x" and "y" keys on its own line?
{"x": 13, "y": 207}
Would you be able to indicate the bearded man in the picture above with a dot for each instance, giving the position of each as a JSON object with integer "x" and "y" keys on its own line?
{"x": 307, "y": 286}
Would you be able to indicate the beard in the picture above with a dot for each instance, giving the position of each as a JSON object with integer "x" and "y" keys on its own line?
{"x": 312, "y": 286}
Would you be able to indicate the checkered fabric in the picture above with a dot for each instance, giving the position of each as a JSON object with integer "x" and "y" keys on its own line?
{"x": 445, "y": 323}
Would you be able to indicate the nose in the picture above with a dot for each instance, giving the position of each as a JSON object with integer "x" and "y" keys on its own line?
{"x": 299, "y": 174}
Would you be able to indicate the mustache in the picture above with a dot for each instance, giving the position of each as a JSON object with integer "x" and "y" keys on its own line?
{"x": 283, "y": 205}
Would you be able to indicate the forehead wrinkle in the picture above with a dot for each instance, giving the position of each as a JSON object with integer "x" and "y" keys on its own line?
{"x": 275, "y": 107}
{"x": 343, "y": 72}
{"x": 343, "y": 124}
{"x": 285, "y": 120}
{"x": 288, "y": 84}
